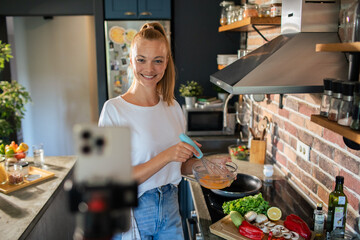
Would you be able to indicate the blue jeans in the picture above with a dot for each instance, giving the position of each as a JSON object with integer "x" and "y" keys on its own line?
{"x": 157, "y": 215}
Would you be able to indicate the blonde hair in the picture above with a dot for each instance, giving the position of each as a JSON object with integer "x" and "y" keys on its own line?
{"x": 166, "y": 86}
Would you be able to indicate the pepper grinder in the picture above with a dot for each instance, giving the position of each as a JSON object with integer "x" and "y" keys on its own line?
{"x": 326, "y": 97}
{"x": 345, "y": 110}
{"x": 335, "y": 100}
{"x": 355, "y": 121}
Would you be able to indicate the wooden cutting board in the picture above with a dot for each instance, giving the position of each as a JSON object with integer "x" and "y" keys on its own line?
{"x": 225, "y": 228}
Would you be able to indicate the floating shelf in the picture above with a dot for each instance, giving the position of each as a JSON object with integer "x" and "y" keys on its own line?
{"x": 246, "y": 24}
{"x": 346, "y": 132}
{"x": 338, "y": 47}
{"x": 221, "y": 66}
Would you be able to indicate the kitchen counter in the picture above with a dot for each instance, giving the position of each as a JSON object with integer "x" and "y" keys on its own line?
{"x": 39, "y": 211}
{"x": 276, "y": 190}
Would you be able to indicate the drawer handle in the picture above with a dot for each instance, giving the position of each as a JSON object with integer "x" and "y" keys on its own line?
{"x": 146, "y": 14}
{"x": 129, "y": 13}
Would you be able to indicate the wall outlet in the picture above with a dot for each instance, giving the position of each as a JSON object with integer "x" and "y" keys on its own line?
{"x": 303, "y": 150}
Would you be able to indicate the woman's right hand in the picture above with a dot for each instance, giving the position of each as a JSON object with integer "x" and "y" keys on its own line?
{"x": 181, "y": 152}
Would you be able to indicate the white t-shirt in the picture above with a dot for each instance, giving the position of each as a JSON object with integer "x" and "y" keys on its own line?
{"x": 153, "y": 129}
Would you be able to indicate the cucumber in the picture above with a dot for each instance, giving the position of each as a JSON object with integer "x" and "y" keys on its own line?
{"x": 236, "y": 218}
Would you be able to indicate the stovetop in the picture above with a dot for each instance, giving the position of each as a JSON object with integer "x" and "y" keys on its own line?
{"x": 278, "y": 193}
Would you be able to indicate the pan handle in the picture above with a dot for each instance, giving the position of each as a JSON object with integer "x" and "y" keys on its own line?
{"x": 187, "y": 177}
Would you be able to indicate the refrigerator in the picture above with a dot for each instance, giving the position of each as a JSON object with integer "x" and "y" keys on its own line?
{"x": 118, "y": 37}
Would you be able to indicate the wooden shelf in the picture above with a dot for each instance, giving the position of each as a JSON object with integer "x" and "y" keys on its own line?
{"x": 338, "y": 47}
{"x": 221, "y": 66}
{"x": 245, "y": 25}
{"x": 333, "y": 126}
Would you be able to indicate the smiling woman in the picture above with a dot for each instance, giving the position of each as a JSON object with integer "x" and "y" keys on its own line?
{"x": 151, "y": 112}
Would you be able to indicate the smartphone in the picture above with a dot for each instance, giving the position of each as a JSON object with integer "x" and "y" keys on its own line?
{"x": 104, "y": 155}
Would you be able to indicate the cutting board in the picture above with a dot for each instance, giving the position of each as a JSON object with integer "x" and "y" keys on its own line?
{"x": 225, "y": 228}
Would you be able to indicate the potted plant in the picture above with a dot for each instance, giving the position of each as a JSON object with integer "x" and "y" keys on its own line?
{"x": 222, "y": 94}
{"x": 190, "y": 91}
{"x": 13, "y": 97}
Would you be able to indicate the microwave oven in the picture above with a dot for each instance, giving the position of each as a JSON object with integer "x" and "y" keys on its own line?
{"x": 208, "y": 121}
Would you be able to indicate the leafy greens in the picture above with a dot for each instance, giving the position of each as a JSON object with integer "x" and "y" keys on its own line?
{"x": 243, "y": 205}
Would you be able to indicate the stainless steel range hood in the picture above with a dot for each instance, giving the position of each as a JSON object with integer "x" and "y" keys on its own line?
{"x": 289, "y": 63}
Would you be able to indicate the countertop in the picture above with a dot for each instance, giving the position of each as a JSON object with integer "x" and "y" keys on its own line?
{"x": 21, "y": 210}
{"x": 282, "y": 195}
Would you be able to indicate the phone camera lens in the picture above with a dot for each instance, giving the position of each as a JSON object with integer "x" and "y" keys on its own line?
{"x": 86, "y": 135}
{"x": 100, "y": 142}
{"x": 86, "y": 149}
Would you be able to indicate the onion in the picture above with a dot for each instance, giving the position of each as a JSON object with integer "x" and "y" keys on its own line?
{"x": 250, "y": 216}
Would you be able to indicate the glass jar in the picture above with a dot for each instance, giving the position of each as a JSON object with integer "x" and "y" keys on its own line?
{"x": 3, "y": 175}
{"x": 264, "y": 10}
{"x": 276, "y": 8}
{"x": 335, "y": 100}
{"x": 230, "y": 14}
{"x": 268, "y": 170}
{"x": 345, "y": 110}
{"x": 250, "y": 10}
{"x": 223, "y": 14}
{"x": 326, "y": 97}
{"x": 235, "y": 15}
{"x": 355, "y": 118}
{"x": 15, "y": 174}
{"x": 240, "y": 13}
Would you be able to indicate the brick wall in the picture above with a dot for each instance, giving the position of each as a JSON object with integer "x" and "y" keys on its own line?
{"x": 329, "y": 156}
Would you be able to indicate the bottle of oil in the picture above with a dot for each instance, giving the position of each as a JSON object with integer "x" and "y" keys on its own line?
{"x": 337, "y": 208}
{"x": 319, "y": 221}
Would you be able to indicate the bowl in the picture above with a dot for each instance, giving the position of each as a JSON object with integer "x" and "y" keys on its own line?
{"x": 238, "y": 152}
{"x": 12, "y": 158}
{"x": 212, "y": 180}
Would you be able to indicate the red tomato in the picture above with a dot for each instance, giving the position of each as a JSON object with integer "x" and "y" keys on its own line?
{"x": 20, "y": 155}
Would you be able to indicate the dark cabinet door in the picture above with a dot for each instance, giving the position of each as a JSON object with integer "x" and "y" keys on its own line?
{"x": 154, "y": 9}
{"x": 137, "y": 9}
{"x": 121, "y": 9}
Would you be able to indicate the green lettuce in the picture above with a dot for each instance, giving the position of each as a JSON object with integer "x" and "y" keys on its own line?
{"x": 243, "y": 205}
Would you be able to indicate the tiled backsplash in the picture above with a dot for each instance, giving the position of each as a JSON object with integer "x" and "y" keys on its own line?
{"x": 329, "y": 156}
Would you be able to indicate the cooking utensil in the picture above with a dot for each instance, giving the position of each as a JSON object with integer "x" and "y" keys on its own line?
{"x": 244, "y": 185}
{"x": 211, "y": 168}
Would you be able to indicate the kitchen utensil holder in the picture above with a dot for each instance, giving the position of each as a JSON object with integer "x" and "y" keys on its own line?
{"x": 258, "y": 151}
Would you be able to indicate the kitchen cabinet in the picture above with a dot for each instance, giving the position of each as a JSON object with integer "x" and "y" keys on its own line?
{"x": 347, "y": 132}
{"x": 138, "y": 9}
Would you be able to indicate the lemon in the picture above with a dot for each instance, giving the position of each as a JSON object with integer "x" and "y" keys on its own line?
{"x": 274, "y": 213}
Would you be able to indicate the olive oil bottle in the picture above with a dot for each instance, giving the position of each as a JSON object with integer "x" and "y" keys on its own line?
{"x": 337, "y": 208}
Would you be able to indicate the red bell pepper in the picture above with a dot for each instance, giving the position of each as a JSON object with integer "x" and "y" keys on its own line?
{"x": 296, "y": 224}
{"x": 250, "y": 231}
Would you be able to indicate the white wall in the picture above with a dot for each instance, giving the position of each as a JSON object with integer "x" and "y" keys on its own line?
{"x": 55, "y": 60}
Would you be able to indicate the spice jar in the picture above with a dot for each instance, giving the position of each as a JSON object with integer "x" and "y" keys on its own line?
{"x": 326, "y": 97}
{"x": 230, "y": 14}
{"x": 240, "y": 14}
{"x": 345, "y": 111}
{"x": 355, "y": 119}
{"x": 224, "y": 8}
{"x": 264, "y": 10}
{"x": 250, "y": 10}
{"x": 335, "y": 100}
{"x": 276, "y": 8}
